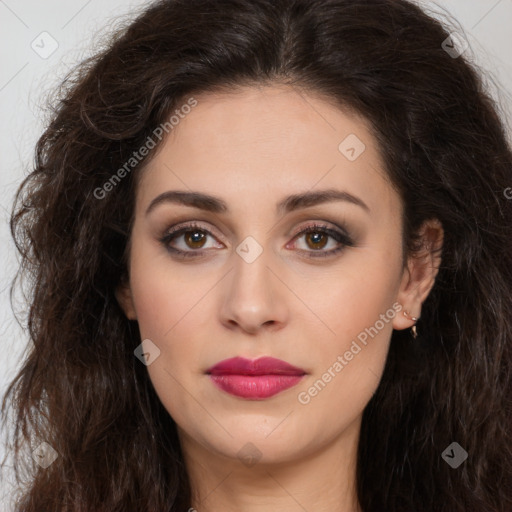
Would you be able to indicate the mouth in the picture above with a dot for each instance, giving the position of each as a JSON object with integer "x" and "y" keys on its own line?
{"x": 254, "y": 379}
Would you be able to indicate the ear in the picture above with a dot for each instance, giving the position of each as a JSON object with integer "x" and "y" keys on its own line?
{"x": 420, "y": 273}
{"x": 124, "y": 297}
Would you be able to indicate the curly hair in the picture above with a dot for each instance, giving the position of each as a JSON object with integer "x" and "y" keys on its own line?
{"x": 445, "y": 148}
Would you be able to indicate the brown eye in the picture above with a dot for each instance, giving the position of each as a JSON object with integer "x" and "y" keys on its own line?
{"x": 194, "y": 239}
{"x": 188, "y": 241}
{"x": 318, "y": 237}
{"x": 318, "y": 240}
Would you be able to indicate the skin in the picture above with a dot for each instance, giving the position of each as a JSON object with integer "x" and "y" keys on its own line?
{"x": 251, "y": 148}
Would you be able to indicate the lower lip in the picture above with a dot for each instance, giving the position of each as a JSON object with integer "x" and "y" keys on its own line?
{"x": 254, "y": 387}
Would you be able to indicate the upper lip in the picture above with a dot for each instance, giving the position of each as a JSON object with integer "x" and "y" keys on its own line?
{"x": 260, "y": 366}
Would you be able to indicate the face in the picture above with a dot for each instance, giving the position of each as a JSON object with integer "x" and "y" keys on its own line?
{"x": 269, "y": 267}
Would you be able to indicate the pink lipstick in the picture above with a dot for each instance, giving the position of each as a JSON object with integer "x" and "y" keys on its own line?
{"x": 254, "y": 379}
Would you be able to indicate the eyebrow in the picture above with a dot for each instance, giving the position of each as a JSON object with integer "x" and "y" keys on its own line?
{"x": 288, "y": 204}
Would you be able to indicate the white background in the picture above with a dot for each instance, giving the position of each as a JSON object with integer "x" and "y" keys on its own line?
{"x": 26, "y": 77}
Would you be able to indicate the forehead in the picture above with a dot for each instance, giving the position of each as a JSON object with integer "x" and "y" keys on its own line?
{"x": 255, "y": 144}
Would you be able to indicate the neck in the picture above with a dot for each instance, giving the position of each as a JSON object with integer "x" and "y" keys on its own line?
{"x": 323, "y": 480}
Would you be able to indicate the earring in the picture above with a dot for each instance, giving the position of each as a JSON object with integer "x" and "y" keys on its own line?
{"x": 413, "y": 328}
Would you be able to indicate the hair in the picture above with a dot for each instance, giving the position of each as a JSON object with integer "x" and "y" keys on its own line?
{"x": 445, "y": 150}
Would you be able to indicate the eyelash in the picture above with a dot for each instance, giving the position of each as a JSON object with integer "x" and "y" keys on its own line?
{"x": 340, "y": 237}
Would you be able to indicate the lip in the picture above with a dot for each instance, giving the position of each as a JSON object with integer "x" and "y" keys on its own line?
{"x": 255, "y": 379}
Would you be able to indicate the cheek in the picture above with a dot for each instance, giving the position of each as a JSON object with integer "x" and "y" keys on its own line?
{"x": 350, "y": 298}
{"x": 164, "y": 292}
{"x": 171, "y": 311}
{"x": 173, "y": 318}
{"x": 352, "y": 341}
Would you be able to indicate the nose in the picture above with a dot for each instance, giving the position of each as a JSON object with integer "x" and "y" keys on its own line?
{"x": 254, "y": 297}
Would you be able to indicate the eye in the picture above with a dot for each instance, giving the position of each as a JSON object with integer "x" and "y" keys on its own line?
{"x": 316, "y": 238}
{"x": 193, "y": 240}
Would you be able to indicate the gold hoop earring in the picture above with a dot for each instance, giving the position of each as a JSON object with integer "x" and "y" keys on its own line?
{"x": 413, "y": 328}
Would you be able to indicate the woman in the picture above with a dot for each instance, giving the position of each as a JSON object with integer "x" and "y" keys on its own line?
{"x": 269, "y": 251}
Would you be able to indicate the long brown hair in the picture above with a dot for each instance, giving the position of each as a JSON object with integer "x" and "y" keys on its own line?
{"x": 80, "y": 388}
